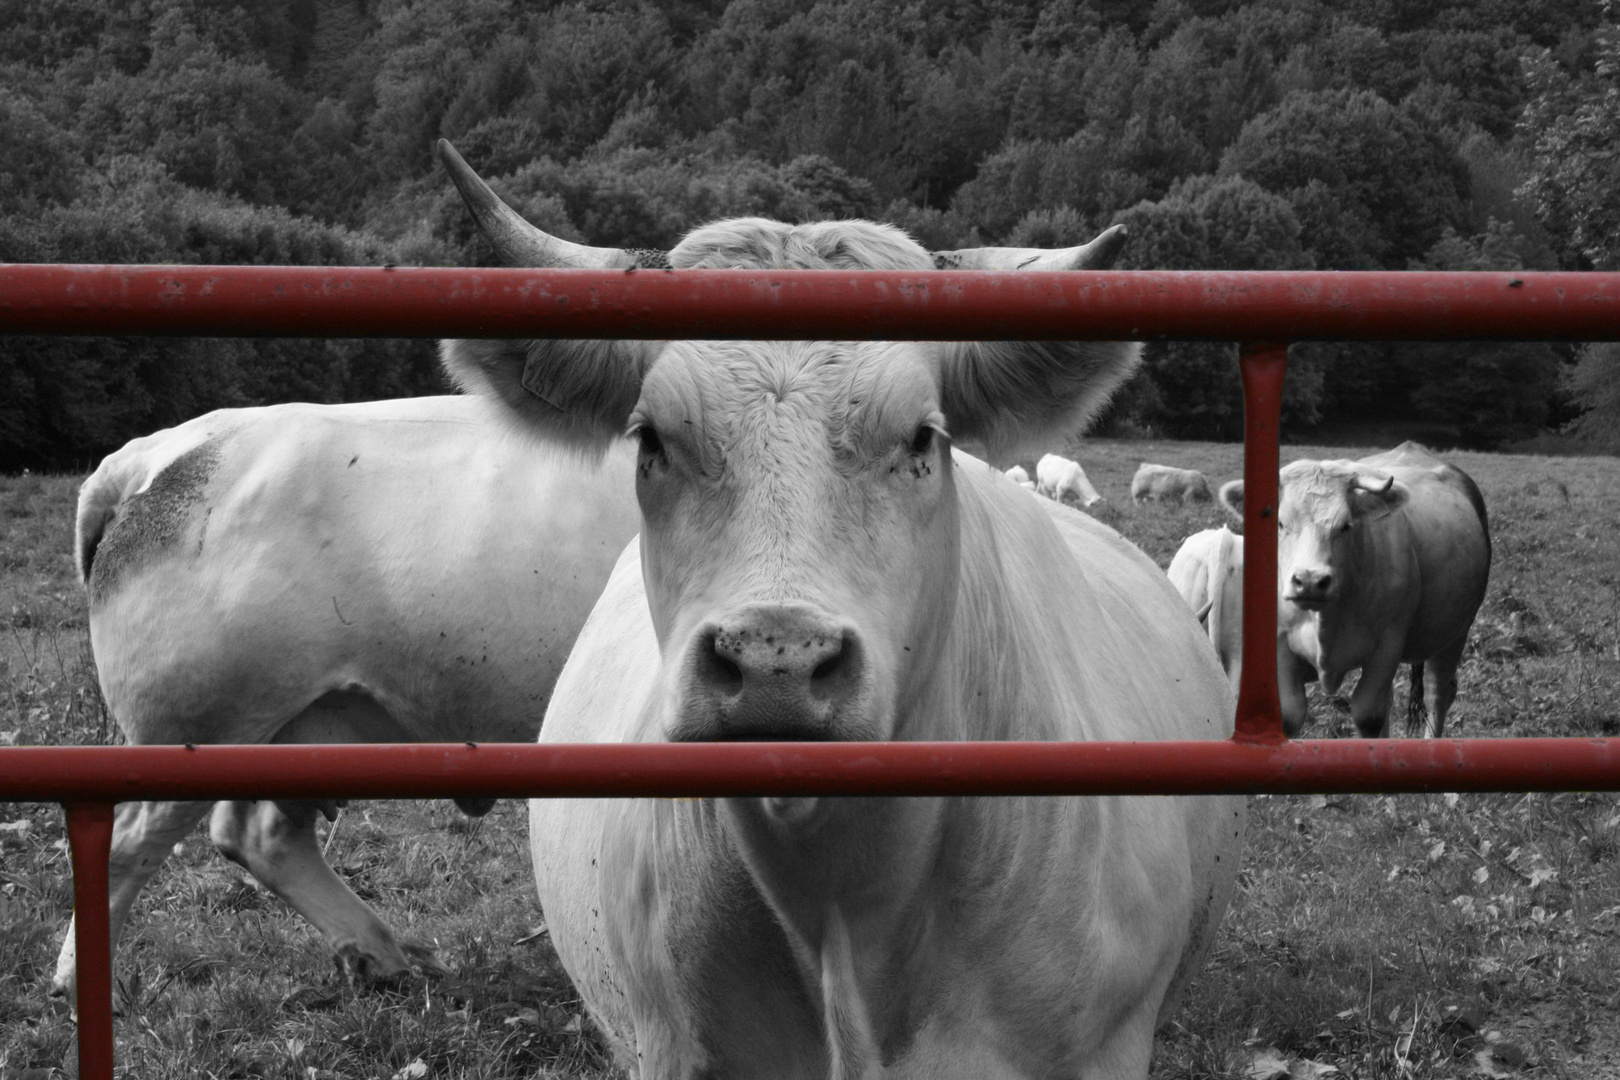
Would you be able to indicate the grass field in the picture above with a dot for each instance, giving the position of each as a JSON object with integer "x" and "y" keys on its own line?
{"x": 1413, "y": 936}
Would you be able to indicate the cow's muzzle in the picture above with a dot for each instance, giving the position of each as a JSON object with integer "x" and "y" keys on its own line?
{"x": 1311, "y": 589}
{"x": 773, "y": 672}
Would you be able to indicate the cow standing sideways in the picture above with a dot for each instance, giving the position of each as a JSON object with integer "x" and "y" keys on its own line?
{"x": 400, "y": 571}
{"x": 1163, "y": 483}
{"x": 818, "y": 562}
{"x": 1380, "y": 562}
{"x": 1064, "y": 481}
{"x": 1207, "y": 571}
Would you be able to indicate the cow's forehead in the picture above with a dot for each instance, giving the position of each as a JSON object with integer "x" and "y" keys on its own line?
{"x": 1315, "y": 491}
{"x": 761, "y": 244}
{"x": 853, "y": 389}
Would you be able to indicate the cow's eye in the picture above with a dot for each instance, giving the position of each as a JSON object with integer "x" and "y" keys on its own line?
{"x": 651, "y": 444}
{"x": 923, "y": 441}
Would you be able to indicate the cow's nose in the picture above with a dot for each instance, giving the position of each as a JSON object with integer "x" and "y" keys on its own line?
{"x": 772, "y": 672}
{"x": 1311, "y": 584}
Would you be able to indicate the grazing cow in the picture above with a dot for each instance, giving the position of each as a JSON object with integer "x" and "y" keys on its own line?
{"x": 1064, "y": 481}
{"x": 817, "y": 562}
{"x": 1162, "y": 483}
{"x": 1208, "y": 573}
{"x": 1380, "y": 562}
{"x": 395, "y": 571}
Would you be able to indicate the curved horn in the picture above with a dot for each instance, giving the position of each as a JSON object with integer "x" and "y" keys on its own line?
{"x": 1373, "y": 480}
{"x": 517, "y": 242}
{"x": 1097, "y": 255}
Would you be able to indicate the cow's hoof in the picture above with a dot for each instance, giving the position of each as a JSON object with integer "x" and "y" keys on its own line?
{"x": 362, "y": 969}
{"x": 423, "y": 959}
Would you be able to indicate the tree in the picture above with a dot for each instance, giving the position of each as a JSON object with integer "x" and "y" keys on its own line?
{"x": 1214, "y": 223}
{"x": 1376, "y": 163}
{"x": 1575, "y": 177}
{"x": 1488, "y": 392}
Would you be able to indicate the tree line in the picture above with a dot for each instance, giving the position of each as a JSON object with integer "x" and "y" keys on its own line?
{"x": 1264, "y": 135}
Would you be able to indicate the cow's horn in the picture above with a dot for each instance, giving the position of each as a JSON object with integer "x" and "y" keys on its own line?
{"x": 1373, "y": 480}
{"x": 1097, "y": 255}
{"x": 517, "y": 242}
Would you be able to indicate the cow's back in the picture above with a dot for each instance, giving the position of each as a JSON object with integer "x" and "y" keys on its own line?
{"x": 253, "y": 560}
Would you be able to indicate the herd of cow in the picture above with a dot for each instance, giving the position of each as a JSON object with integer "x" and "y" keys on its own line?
{"x": 787, "y": 546}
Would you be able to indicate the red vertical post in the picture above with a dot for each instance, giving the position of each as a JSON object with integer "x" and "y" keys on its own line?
{"x": 1259, "y": 713}
{"x": 90, "y": 827}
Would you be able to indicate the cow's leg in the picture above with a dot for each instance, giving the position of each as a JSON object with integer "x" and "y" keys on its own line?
{"x": 275, "y": 842}
{"x": 1443, "y": 687}
{"x": 1127, "y": 1051}
{"x": 1292, "y": 674}
{"x": 144, "y": 833}
{"x": 1416, "y": 715}
{"x": 1374, "y": 694}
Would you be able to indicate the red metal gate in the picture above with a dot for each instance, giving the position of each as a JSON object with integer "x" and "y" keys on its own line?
{"x": 1264, "y": 311}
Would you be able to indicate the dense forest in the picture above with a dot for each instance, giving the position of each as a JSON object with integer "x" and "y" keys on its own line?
{"x": 1276, "y": 134}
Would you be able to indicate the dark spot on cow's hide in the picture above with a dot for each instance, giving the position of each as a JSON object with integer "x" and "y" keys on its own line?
{"x": 152, "y": 522}
{"x": 649, "y": 259}
{"x": 947, "y": 260}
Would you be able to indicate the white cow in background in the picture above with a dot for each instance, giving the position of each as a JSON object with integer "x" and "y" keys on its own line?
{"x": 1163, "y": 483}
{"x": 1064, "y": 481}
{"x": 1019, "y": 476}
{"x": 817, "y": 562}
{"x": 1380, "y": 562}
{"x": 399, "y": 571}
{"x": 1208, "y": 573}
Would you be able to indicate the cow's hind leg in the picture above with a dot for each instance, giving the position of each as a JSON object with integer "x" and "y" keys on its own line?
{"x": 275, "y": 842}
{"x": 1417, "y": 715}
{"x": 144, "y": 833}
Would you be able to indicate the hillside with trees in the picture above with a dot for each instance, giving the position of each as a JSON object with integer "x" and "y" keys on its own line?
{"x": 1275, "y": 134}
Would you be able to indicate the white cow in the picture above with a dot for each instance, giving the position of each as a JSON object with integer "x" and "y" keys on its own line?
{"x": 818, "y": 562}
{"x": 1380, "y": 562}
{"x": 1162, "y": 483}
{"x": 1018, "y": 475}
{"x": 1064, "y": 481}
{"x": 1208, "y": 573}
{"x": 395, "y": 571}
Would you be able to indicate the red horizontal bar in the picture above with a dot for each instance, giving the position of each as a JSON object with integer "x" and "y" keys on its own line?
{"x": 522, "y": 770}
{"x": 286, "y": 301}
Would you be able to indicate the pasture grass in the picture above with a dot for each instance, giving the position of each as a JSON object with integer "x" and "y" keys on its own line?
{"x": 1382, "y": 937}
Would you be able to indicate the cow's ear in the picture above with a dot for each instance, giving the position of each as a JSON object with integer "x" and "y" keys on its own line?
{"x": 1231, "y": 497}
{"x": 578, "y": 393}
{"x": 1015, "y": 398}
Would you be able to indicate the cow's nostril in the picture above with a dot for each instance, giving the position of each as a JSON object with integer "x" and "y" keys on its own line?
{"x": 828, "y": 667}
{"x": 720, "y": 670}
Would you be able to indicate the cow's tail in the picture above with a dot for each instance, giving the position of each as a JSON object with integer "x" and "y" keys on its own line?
{"x": 1220, "y": 561}
{"x": 125, "y": 472}
{"x": 99, "y": 497}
